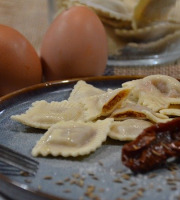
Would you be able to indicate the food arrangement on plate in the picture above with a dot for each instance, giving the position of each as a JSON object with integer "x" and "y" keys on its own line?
{"x": 141, "y": 116}
{"x": 79, "y": 125}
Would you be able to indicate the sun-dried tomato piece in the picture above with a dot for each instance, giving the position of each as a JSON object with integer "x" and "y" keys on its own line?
{"x": 153, "y": 146}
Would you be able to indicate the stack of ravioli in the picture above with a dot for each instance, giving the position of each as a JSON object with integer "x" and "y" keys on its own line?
{"x": 79, "y": 125}
{"x": 136, "y": 27}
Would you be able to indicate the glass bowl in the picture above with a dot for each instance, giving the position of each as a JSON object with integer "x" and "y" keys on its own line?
{"x": 139, "y": 32}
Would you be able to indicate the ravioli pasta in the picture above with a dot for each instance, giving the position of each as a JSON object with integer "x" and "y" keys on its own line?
{"x": 102, "y": 105}
{"x": 155, "y": 91}
{"x": 80, "y": 125}
{"x": 82, "y": 90}
{"x": 113, "y": 9}
{"x": 137, "y": 111}
{"x": 72, "y": 138}
{"x": 128, "y": 129}
{"x": 43, "y": 114}
{"x": 149, "y": 11}
{"x": 149, "y": 33}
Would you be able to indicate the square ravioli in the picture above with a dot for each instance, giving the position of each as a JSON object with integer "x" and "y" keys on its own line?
{"x": 43, "y": 114}
{"x": 128, "y": 129}
{"x": 83, "y": 90}
{"x": 72, "y": 138}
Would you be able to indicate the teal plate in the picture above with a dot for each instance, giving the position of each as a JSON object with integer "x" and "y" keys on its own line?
{"x": 100, "y": 175}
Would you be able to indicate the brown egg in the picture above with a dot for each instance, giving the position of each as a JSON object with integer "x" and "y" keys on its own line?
{"x": 20, "y": 65}
{"x": 75, "y": 45}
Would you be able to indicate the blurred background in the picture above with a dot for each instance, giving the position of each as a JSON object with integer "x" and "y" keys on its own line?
{"x": 32, "y": 19}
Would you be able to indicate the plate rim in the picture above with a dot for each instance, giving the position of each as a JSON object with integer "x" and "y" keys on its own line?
{"x": 64, "y": 81}
{"x": 28, "y": 190}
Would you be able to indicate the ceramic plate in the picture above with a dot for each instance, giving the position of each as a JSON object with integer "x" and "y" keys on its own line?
{"x": 100, "y": 175}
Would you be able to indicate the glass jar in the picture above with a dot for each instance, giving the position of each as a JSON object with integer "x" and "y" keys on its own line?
{"x": 140, "y": 32}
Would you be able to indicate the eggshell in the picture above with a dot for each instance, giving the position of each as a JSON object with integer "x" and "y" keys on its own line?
{"x": 20, "y": 65}
{"x": 75, "y": 45}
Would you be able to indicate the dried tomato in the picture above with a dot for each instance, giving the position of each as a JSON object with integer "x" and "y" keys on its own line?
{"x": 153, "y": 146}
